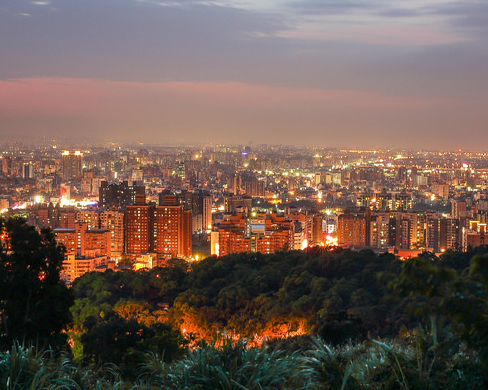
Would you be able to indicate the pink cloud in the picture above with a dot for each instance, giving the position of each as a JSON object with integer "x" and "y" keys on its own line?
{"x": 228, "y": 112}
{"x": 93, "y": 97}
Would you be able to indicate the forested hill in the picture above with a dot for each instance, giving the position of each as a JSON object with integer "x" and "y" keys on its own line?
{"x": 286, "y": 293}
{"x": 282, "y": 294}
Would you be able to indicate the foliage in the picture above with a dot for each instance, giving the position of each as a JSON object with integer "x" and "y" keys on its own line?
{"x": 34, "y": 302}
{"x": 27, "y": 368}
{"x": 438, "y": 306}
{"x": 423, "y": 284}
{"x": 113, "y": 339}
{"x": 230, "y": 365}
{"x": 250, "y": 294}
{"x": 414, "y": 364}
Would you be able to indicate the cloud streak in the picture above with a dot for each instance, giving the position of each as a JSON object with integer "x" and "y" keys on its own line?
{"x": 217, "y": 111}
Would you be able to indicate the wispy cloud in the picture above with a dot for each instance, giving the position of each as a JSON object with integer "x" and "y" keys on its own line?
{"x": 401, "y": 22}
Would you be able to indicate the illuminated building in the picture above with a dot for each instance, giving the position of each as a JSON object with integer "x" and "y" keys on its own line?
{"x": 44, "y": 215}
{"x": 172, "y": 231}
{"x": 172, "y": 228}
{"x": 351, "y": 230}
{"x": 231, "y": 203}
{"x": 475, "y": 235}
{"x": 458, "y": 209}
{"x": 403, "y": 201}
{"x": 91, "y": 217}
{"x": 119, "y": 195}
{"x": 74, "y": 267}
{"x": 138, "y": 176}
{"x": 364, "y": 200}
{"x": 200, "y": 204}
{"x": 385, "y": 201}
{"x": 168, "y": 198}
{"x": 113, "y": 220}
{"x": 317, "y": 235}
{"x": 7, "y": 166}
{"x": 415, "y": 235}
{"x": 299, "y": 238}
{"x": 72, "y": 164}
{"x": 81, "y": 241}
{"x": 139, "y": 227}
{"x": 28, "y": 171}
{"x": 234, "y": 184}
{"x": 432, "y": 233}
{"x": 264, "y": 233}
{"x": 179, "y": 171}
{"x": 380, "y": 231}
{"x": 254, "y": 188}
{"x": 67, "y": 218}
{"x": 449, "y": 234}
{"x": 165, "y": 229}
{"x": 420, "y": 180}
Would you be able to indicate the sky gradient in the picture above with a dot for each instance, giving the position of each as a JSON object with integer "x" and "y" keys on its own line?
{"x": 333, "y": 73}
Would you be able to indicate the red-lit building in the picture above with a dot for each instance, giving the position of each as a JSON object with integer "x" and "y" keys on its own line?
{"x": 113, "y": 220}
{"x": 165, "y": 230}
{"x": 351, "y": 230}
{"x": 67, "y": 218}
{"x": 172, "y": 231}
{"x": 139, "y": 227}
{"x": 264, "y": 233}
{"x": 84, "y": 242}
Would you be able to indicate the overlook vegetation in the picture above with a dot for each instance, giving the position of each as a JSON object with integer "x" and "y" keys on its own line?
{"x": 315, "y": 319}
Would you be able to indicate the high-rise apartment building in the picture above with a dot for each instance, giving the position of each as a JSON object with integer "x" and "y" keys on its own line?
{"x": 172, "y": 231}
{"x": 28, "y": 170}
{"x": 165, "y": 229}
{"x": 351, "y": 230}
{"x": 119, "y": 195}
{"x": 458, "y": 208}
{"x": 72, "y": 164}
{"x": 449, "y": 237}
{"x": 113, "y": 220}
{"x": 139, "y": 227}
{"x": 200, "y": 204}
{"x": 173, "y": 226}
{"x": 254, "y": 188}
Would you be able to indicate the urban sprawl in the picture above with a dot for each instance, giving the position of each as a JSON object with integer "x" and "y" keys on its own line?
{"x": 116, "y": 206}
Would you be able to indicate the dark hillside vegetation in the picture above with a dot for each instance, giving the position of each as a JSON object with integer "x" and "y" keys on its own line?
{"x": 315, "y": 319}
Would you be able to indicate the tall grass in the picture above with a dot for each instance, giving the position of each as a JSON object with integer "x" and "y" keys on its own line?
{"x": 412, "y": 364}
{"x": 26, "y": 368}
{"x": 230, "y": 365}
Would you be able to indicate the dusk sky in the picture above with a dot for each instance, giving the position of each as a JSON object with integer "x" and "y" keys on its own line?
{"x": 332, "y": 73}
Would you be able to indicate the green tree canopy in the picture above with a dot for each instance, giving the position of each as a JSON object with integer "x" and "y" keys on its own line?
{"x": 34, "y": 302}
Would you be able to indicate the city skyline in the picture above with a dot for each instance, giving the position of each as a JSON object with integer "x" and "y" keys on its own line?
{"x": 332, "y": 74}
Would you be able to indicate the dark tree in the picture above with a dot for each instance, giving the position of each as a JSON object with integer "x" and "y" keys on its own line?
{"x": 113, "y": 339}
{"x": 34, "y": 302}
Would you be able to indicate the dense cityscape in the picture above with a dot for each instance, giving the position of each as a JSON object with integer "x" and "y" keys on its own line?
{"x": 117, "y": 207}
{"x": 243, "y": 195}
